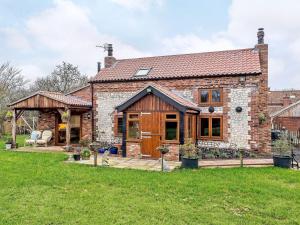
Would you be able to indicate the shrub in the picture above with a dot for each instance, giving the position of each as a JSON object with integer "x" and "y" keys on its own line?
{"x": 189, "y": 150}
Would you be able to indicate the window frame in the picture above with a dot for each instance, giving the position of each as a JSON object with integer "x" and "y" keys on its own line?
{"x": 127, "y": 126}
{"x": 210, "y": 102}
{"x": 142, "y": 75}
{"x": 164, "y": 125}
{"x": 116, "y": 125}
{"x": 210, "y": 137}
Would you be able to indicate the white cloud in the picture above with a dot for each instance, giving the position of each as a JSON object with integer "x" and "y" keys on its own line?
{"x": 15, "y": 39}
{"x": 66, "y": 31}
{"x": 282, "y": 32}
{"x": 139, "y": 4}
{"x": 192, "y": 43}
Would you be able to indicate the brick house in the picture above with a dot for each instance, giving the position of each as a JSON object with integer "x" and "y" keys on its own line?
{"x": 284, "y": 109}
{"x": 141, "y": 103}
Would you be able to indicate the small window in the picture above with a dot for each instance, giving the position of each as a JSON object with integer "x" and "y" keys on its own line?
{"x": 120, "y": 125}
{"x": 133, "y": 130}
{"x": 204, "y": 127}
{"x": 171, "y": 116}
{"x": 190, "y": 127}
{"x": 215, "y": 96}
{"x": 171, "y": 130}
{"x": 204, "y": 96}
{"x": 142, "y": 72}
{"x": 210, "y": 97}
{"x": 211, "y": 127}
{"x": 216, "y": 127}
{"x": 133, "y": 116}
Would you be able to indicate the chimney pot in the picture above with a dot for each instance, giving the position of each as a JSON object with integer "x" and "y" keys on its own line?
{"x": 260, "y": 36}
{"x": 109, "y": 50}
{"x": 98, "y": 66}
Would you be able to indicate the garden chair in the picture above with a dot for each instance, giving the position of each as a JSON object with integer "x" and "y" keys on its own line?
{"x": 34, "y": 136}
{"x": 46, "y": 138}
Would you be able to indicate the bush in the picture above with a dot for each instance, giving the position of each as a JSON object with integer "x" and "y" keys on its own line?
{"x": 189, "y": 150}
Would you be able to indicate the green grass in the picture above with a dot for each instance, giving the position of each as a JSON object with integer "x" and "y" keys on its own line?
{"x": 20, "y": 140}
{"x": 39, "y": 188}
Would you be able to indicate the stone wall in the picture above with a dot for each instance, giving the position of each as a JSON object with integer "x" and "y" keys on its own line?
{"x": 106, "y": 103}
{"x": 239, "y": 128}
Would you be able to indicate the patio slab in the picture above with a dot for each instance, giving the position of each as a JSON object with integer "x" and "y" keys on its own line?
{"x": 155, "y": 165}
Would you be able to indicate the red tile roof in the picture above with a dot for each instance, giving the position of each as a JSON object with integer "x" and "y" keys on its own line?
{"x": 65, "y": 99}
{"x": 231, "y": 62}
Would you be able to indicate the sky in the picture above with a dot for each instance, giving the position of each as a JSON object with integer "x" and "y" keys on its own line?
{"x": 37, "y": 35}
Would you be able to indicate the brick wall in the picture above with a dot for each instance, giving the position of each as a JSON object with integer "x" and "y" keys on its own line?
{"x": 46, "y": 121}
{"x": 289, "y": 123}
{"x": 84, "y": 93}
{"x": 188, "y": 88}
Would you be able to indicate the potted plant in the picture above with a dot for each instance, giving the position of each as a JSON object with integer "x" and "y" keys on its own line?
{"x": 76, "y": 153}
{"x": 164, "y": 149}
{"x": 9, "y": 116}
{"x": 8, "y": 144}
{"x": 85, "y": 154}
{"x": 261, "y": 118}
{"x": 282, "y": 157}
{"x": 65, "y": 116}
{"x": 190, "y": 155}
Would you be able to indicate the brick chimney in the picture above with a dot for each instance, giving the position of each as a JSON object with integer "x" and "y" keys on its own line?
{"x": 264, "y": 129}
{"x": 286, "y": 101}
{"x": 109, "y": 60}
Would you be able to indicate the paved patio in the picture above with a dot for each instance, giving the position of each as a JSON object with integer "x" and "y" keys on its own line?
{"x": 155, "y": 165}
{"x": 150, "y": 164}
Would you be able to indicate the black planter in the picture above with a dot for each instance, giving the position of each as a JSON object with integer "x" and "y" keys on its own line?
{"x": 282, "y": 161}
{"x": 76, "y": 157}
{"x": 189, "y": 163}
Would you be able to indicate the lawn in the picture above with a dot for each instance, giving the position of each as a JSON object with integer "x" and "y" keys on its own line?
{"x": 39, "y": 188}
{"x": 20, "y": 140}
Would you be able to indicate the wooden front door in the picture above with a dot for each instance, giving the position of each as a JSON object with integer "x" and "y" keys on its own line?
{"x": 150, "y": 134}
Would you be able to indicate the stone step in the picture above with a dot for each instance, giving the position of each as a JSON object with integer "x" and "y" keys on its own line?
{"x": 146, "y": 156}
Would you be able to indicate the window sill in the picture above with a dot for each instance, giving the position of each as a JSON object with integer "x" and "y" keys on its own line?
{"x": 170, "y": 142}
{"x": 133, "y": 140}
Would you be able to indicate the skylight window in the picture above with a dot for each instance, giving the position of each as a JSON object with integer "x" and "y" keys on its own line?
{"x": 142, "y": 72}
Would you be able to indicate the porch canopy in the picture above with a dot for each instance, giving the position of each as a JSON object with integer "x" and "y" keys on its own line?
{"x": 44, "y": 100}
{"x": 178, "y": 102}
{"x": 155, "y": 116}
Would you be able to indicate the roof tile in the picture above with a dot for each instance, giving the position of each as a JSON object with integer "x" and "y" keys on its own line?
{"x": 231, "y": 62}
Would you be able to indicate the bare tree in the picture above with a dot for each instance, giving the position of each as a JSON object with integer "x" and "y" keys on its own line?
{"x": 12, "y": 87}
{"x": 65, "y": 78}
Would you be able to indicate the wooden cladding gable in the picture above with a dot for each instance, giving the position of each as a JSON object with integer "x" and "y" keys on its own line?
{"x": 151, "y": 103}
{"x": 38, "y": 101}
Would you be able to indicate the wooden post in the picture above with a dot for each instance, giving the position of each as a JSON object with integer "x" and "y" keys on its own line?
{"x": 68, "y": 129}
{"x": 14, "y": 128}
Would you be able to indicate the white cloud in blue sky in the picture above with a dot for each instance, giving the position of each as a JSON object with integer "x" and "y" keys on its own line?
{"x": 37, "y": 35}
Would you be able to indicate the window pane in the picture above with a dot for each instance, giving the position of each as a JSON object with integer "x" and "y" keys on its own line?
{"x": 204, "y": 96}
{"x": 171, "y": 130}
{"x": 190, "y": 124}
{"x": 75, "y": 121}
{"x": 216, "y": 127}
{"x": 133, "y": 129}
{"x": 204, "y": 127}
{"x": 120, "y": 125}
{"x": 133, "y": 116}
{"x": 216, "y": 96}
{"x": 171, "y": 116}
